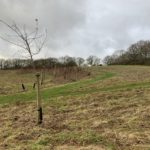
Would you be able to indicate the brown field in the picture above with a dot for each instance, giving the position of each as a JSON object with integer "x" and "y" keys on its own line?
{"x": 110, "y": 111}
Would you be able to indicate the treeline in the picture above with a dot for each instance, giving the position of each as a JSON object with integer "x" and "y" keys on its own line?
{"x": 137, "y": 54}
{"x": 51, "y": 62}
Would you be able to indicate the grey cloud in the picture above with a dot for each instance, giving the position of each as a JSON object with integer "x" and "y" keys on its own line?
{"x": 81, "y": 27}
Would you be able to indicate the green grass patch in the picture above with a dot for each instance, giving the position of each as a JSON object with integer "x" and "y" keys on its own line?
{"x": 72, "y": 89}
{"x": 63, "y": 90}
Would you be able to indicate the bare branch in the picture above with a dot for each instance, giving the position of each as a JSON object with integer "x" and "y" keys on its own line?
{"x": 27, "y": 40}
{"x": 35, "y": 38}
{"x": 12, "y": 42}
{"x": 43, "y": 42}
{"x": 13, "y": 28}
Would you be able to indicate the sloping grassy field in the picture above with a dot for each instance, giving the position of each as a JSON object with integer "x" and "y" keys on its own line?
{"x": 110, "y": 110}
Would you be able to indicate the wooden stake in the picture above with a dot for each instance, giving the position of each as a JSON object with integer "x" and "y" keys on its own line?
{"x": 39, "y": 106}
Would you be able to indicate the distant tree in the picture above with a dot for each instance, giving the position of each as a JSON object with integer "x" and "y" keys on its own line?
{"x": 134, "y": 53}
{"x": 108, "y": 60}
{"x": 52, "y": 62}
{"x": 6, "y": 64}
{"x": 117, "y": 57}
{"x": 137, "y": 54}
{"x": 93, "y": 60}
{"x": 2, "y": 63}
{"x": 79, "y": 61}
{"x": 97, "y": 61}
{"x": 68, "y": 61}
{"x": 31, "y": 42}
{"x": 90, "y": 60}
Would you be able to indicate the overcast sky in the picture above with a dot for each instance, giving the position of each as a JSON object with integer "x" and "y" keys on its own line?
{"x": 79, "y": 27}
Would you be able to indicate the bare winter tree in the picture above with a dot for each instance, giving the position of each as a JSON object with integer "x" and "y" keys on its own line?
{"x": 93, "y": 60}
{"x": 30, "y": 42}
{"x": 79, "y": 61}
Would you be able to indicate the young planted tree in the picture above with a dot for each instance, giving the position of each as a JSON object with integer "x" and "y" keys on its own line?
{"x": 30, "y": 42}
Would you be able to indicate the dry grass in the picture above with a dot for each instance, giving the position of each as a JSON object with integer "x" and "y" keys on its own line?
{"x": 102, "y": 120}
{"x": 11, "y": 80}
{"x": 106, "y": 120}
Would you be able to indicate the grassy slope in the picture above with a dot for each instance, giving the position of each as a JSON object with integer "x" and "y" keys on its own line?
{"x": 74, "y": 89}
{"x": 109, "y": 111}
{"x": 57, "y": 91}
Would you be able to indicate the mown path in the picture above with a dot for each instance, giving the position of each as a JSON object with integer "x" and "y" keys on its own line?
{"x": 62, "y": 90}
{"x": 73, "y": 89}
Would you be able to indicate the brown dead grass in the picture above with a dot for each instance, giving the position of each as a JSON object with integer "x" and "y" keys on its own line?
{"x": 11, "y": 80}
{"x": 98, "y": 121}
{"x": 122, "y": 119}
{"x": 66, "y": 147}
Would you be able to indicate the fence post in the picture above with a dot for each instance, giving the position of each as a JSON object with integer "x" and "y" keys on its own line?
{"x": 39, "y": 106}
